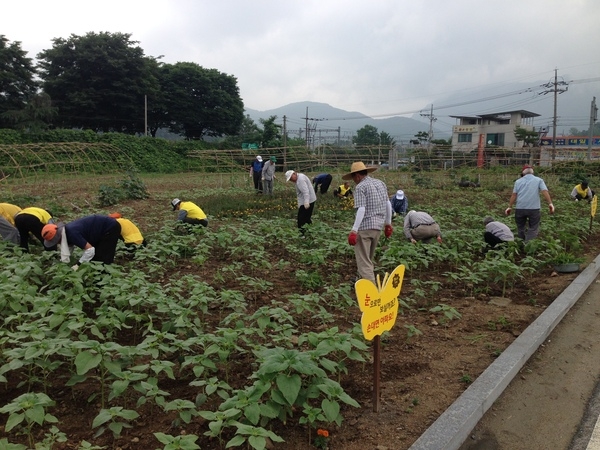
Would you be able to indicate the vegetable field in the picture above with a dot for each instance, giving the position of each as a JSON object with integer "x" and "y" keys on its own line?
{"x": 245, "y": 335}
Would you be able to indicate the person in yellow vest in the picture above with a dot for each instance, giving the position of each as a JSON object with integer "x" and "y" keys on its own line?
{"x": 9, "y": 211}
{"x": 189, "y": 212}
{"x": 130, "y": 233}
{"x": 343, "y": 190}
{"x": 582, "y": 192}
{"x": 32, "y": 220}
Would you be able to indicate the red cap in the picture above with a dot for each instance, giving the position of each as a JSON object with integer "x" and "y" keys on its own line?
{"x": 526, "y": 166}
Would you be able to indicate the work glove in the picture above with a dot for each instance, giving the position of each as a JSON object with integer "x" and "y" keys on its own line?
{"x": 388, "y": 230}
{"x": 352, "y": 237}
{"x": 88, "y": 255}
{"x": 75, "y": 266}
{"x": 306, "y": 205}
{"x": 262, "y": 179}
{"x": 576, "y": 199}
{"x": 507, "y": 211}
{"x": 551, "y": 206}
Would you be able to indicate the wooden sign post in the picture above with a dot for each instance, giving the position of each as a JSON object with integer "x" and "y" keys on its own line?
{"x": 379, "y": 306}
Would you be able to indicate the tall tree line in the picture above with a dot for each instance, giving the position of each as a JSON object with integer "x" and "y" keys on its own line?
{"x": 103, "y": 82}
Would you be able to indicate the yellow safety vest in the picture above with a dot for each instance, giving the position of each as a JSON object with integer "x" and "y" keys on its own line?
{"x": 9, "y": 212}
{"x": 129, "y": 232}
{"x": 193, "y": 210}
{"x": 40, "y": 213}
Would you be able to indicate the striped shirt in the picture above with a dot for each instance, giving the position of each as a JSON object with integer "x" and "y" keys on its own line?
{"x": 372, "y": 194}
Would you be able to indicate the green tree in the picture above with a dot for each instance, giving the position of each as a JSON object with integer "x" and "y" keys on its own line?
{"x": 37, "y": 115}
{"x": 248, "y": 132}
{"x": 271, "y": 133}
{"x": 422, "y": 137}
{"x": 527, "y": 136}
{"x": 17, "y": 82}
{"x": 386, "y": 140}
{"x": 367, "y": 135}
{"x": 98, "y": 81}
{"x": 200, "y": 102}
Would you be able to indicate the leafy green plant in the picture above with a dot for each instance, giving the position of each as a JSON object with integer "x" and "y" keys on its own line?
{"x": 27, "y": 411}
{"x": 309, "y": 279}
{"x": 116, "y": 417}
{"x": 412, "y": 331}
{"x": 466, "y": 379}
{"x": 255, "y": 437}
{"x": 181, "y": 442}
{"x": 566, "y": 258}
{"x": 449, "y": 313}
{"x": 109, "y": 195}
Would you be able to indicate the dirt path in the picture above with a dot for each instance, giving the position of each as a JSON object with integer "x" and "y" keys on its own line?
{"x": 544, "y": 405}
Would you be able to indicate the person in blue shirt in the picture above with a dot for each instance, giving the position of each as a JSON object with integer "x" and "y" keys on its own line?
{"x": 96, "y": 235}
{"x": 526, "y": 198}
{"x": 256, "y": 173}
{"x": 399, "y": 203}
{"x": 323, "y": 180}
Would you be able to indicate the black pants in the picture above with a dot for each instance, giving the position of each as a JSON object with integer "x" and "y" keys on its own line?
{"x": 325, "y": 184}
{"x": 202, "y": 222}
{"x": 256, "y": 177}
{"x": 107, "y": 245}
{"x": 304, "y": 216}
{"x": 28, "y": 223}
{"x": 491, "y": 239}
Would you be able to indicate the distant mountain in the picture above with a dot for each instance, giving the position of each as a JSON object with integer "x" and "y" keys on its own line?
{"x": 325, "y": 122}
{"x": 573, "y": 110}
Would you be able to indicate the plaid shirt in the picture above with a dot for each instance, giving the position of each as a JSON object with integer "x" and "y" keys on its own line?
{"x": 372, "y": 194}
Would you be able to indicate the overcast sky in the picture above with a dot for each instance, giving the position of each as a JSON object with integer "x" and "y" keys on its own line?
{"x": 380, "y": 57}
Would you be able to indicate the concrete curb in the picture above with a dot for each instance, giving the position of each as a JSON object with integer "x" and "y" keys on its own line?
{"x": 453, "y": 427}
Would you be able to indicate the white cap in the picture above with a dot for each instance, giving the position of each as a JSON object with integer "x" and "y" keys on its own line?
{"x": 400, "y": 194}
{"x": 288, "y": 175}
{"x": 259, "y": 158}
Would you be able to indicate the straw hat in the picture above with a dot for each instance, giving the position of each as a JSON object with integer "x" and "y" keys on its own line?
{"x": 358, "y": 167}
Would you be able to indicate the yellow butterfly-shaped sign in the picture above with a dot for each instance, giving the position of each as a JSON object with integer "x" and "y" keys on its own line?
{"x": 379, "y": 305}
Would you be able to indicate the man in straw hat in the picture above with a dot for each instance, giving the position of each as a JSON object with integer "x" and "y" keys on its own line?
{"x": 373, "y": 213}
{"x": 526, "y": 198}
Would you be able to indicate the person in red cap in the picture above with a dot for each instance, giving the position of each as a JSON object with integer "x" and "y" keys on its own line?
{"x": 526, "y": 198}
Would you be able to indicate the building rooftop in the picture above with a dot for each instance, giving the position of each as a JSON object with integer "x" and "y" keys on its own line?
{"x": 499, "y": 115}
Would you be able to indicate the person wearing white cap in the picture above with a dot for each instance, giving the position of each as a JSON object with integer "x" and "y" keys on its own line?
{"x": 189, "y": 212}
{"x": 373, "y": 213}
{"x": 399, "y": 203}
{"x": 256, "y": 173}
{"x": 306, "y": 197}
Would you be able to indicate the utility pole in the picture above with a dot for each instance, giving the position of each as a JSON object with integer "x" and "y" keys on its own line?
{"x": 593, "y": 119}
{"x": 432, "y": 119}
{"x": 554, "y": 87}
{"x": 306, "y": 127}
{"x": 284, "y": 143}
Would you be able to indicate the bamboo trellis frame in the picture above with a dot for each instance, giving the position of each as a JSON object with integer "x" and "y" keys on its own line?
{"x": 27, "y": 160}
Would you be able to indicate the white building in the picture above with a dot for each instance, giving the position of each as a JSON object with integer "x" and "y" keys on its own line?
{"x": 496, "y": 129}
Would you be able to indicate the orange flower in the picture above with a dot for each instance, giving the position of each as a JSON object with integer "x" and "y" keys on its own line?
{"x": 323, "y": 433}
